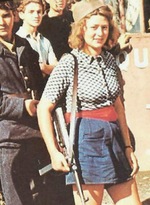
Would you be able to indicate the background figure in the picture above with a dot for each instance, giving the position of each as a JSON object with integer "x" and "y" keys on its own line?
{"x": 22, "y": 149}
{"x": 118, "y": 7}
{"x": 102, "y": 146}
{"x": 55, "y": 26}
{"x": 147, "y": 15}
{"x": 31, "y": 11}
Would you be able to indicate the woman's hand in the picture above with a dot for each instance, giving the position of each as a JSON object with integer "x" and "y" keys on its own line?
{"x": 132, "y": 160}
{"x": 59, "y": 163}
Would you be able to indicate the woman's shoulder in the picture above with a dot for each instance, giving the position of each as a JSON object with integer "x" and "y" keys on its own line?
{"x": 108, "y": 56}
{"x": 66, "y": 63}
{"x": 70, "y": 57}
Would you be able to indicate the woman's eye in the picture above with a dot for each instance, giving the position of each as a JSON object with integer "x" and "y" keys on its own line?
{"x": 94, "y": 27}
{"x": 105, "y": 27}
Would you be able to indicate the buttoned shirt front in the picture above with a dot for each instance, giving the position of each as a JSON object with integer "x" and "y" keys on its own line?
{"x": 41, "y": 45}
{"x": 98, "y": 84}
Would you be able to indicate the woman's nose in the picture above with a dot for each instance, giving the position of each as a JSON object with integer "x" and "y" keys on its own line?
{"x": 99, "y": 31}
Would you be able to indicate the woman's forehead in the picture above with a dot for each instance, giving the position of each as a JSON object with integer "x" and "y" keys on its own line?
{"x": 97, "y": 19}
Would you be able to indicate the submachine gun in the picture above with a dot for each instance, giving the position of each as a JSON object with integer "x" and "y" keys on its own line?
{"x": 67, "y": 146}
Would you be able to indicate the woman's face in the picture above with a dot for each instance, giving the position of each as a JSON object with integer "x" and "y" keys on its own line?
{"x": 95, "y": 33}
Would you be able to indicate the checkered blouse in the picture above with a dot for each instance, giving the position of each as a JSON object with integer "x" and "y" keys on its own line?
{"x": 98, "y": 85}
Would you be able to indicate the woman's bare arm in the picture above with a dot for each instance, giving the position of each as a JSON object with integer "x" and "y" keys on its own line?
{"x": 44, "y": 112}
{"x": 125, "y": 134}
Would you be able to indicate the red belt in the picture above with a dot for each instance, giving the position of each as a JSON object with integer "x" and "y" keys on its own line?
{"x": 105, "y": 113}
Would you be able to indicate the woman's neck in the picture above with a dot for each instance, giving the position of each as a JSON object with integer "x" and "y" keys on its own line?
{"x": 91, "y": 51}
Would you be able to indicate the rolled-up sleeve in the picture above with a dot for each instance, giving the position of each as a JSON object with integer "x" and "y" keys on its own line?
{"x": 59, "y": 80}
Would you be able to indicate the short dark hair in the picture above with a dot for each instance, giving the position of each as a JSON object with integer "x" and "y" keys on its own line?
{"x": 7, "y": 5}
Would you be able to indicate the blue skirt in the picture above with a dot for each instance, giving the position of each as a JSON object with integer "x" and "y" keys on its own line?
{"x": 99, "y": 153}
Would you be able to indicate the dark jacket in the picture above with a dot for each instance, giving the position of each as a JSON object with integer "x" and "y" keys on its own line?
{"x": 19, "y": 74}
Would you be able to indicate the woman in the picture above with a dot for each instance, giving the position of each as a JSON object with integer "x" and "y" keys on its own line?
{"x": 103, "y": 129}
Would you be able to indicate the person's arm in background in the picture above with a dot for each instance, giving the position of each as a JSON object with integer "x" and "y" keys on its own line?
{"x": 47, "y": 67}
{"x": 123, "y": 44}
{"x": 48, "y": 64}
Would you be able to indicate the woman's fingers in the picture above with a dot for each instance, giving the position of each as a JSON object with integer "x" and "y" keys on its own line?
{"x": 59, "y": 163}
{"x": 132, "y": 161}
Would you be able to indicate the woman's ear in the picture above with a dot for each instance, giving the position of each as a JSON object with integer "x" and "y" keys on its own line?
{"x": 21, "y": 15}
{"x": 84, "y": 29}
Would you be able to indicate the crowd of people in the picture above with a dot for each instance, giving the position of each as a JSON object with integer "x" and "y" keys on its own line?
{"x": 36, "y": 74}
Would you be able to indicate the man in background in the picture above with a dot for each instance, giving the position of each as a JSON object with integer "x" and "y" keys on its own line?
{"x": 55, "y": 26}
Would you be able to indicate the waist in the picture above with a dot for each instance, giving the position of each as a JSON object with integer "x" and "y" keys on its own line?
{"x": 106, "y": 113}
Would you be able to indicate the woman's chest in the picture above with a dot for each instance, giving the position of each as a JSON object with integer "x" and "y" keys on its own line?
{"x": 95, "y": 82}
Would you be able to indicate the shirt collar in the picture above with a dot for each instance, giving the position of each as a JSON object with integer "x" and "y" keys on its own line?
{"x": 9, "y": 45}
{"x": 87, "y": 58}
{"x": 24, "y": 34}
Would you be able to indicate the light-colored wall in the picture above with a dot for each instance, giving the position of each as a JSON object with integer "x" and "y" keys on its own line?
{"x": 136, "y": 72}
